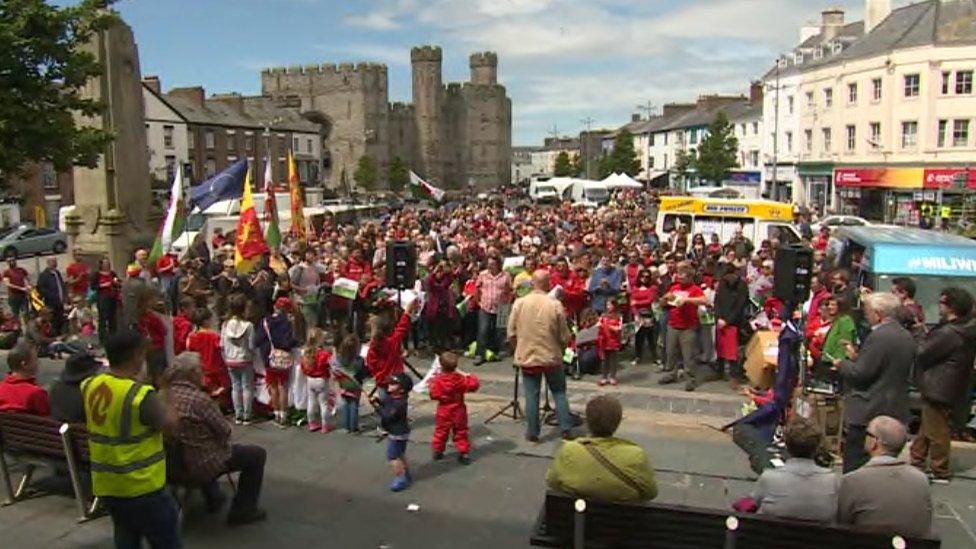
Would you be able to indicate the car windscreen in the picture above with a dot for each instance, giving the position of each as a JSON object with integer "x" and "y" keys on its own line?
{"x": 596, "y": 194}
{"x": 5, "y": 232}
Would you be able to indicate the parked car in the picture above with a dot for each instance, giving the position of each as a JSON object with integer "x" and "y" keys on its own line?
{"x": 26, "y": 240}
{"x": 834, "y": 221}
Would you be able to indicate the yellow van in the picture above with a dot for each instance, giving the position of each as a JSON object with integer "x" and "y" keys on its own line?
{"x": 759, "y": 219}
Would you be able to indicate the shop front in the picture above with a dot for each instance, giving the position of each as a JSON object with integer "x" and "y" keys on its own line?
{"x": 904, "y": 196}
{"x": 778, "y": 182}
{"x": 816, "y": 185}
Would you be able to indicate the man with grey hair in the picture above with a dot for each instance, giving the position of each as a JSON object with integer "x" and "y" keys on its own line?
{"x": 886, "y": 494}
{"x": 875, "y": 375}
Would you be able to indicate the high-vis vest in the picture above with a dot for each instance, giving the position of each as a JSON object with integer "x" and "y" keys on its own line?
{"x": 127, "y": 456}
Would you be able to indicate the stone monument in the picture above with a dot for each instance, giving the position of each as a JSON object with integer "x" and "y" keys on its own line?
{"x": 113, "y": 214}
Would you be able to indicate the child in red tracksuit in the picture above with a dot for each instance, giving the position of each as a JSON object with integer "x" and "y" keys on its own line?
{"x": 608, "y": 342}
{"x": 206, "y": 342}
{"x": 384, "y": 356}
{"x": 448, "y": 388}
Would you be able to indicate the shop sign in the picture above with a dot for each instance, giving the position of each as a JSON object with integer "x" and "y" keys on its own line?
{"x": 948, "y": 178}
{"x": 905, "y": 178}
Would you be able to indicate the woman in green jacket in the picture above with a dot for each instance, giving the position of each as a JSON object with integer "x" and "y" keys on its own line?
{"x": 843, "y": 330}
{"x": 603, "y": 467}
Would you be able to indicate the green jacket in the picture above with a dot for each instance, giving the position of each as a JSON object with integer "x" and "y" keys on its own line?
{"x": 842, "y": 329}
{"x": 577, "y": 472}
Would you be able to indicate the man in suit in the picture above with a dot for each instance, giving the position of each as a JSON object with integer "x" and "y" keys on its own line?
{"x": 886, "y": 494}
{"x": 50, "y": 284}
{"x": 876, "y": 375}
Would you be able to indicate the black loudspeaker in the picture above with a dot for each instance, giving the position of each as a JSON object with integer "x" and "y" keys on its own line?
{"x": 401, "y": 264}
{"x": 791, "y": 274}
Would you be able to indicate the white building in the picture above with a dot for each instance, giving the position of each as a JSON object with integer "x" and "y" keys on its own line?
{"x": 166, "y": 135}
{"x": 522, "y": 164}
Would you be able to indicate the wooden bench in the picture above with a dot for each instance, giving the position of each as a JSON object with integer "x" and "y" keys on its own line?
{"x": 39, "y": 441}
{"x": 653, "y": 525}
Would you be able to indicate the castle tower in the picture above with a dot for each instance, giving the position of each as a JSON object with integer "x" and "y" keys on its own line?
{"x": 484, "y": 68}
{"x": 427, "y": 102}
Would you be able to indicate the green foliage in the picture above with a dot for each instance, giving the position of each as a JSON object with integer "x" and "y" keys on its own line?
{"x": 623, "y": 158}
{"x": 398, "y": 174}
{"x": 564, "y": 166}
{"x": 43, "y": 71}
{"x": 577, "y": 166}
{"x": 718, "y": 151}
{"x": 683, "y": 161}
{"x": 366, "y": 172}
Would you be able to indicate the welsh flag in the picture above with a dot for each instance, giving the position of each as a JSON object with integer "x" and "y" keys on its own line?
{"x": 173, "y": 223}
{"x": 423, "y": 190}
{"x": 297, "y": 212}
{"x": 272, "y": 234}
{"x": 249, "y": 245}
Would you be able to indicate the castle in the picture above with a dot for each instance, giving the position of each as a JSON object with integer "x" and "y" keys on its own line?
{"x": 455, "y": 136}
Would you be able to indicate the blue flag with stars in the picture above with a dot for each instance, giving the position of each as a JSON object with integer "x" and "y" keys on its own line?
{"x": 226, "y": 185}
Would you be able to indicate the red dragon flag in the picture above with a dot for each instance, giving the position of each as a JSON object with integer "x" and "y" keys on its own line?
{"x": 297, "y": 206}
{"x": 249, "y": 245}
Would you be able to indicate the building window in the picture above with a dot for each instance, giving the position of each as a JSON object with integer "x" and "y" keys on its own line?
{"x": 754, "y": 158}
{"x": 810, "y": 100}
{"x": 851, "y": 94}
{"x": 851, "y": 137}
{"x": 913, "y": 85}
{"x": 208, "y": 140}
{"x": 294, "y": 144}
{"x": 282, "y": 170}
{"x": 308, "y": 144}
{"x": 943, "y": 128}
{"x": 946, "y": 76}
{"x": 267, "y": 145}
{"x": 211, "y": 167}
{"x": 650, "y": 162}
{"x": 808, "y": 140}
{"x": 249, "y": 143}
{"x": 964, "y": 82}
{"x": 876, "y": 89}
{"x": 789, "y": 141}
{"x": 168, "y": 137}
{"x": 827, "y": 135}
{"x": 828, "y": 97}
{"x": 693, "y": 137}
{"x": 191, "y": 141}
{"x": 281, "y": 144}
{"x": 876, "y": 135}
{"x": 755, "y": 128}
{"x": 960, "y": 133}
{"x": 909, "y": 134}
{"x": 170, "y": 167}
{"x": 789, "y": 103}
{"x": 650, "y": 140}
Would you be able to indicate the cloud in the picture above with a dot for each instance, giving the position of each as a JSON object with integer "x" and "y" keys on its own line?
{"x": 356, "y": 52}
{"x": 373, "y": 20}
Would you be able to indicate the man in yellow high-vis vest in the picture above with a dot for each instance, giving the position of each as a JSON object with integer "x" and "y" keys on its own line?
{"x": 125, "y": 421}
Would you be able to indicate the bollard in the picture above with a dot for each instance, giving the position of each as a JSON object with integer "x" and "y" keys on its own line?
{"x": 579, "y": 532}
{"x": 731, "y": 525}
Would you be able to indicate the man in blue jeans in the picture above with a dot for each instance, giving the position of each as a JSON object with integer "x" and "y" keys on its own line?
{"x": 539, "y": 333}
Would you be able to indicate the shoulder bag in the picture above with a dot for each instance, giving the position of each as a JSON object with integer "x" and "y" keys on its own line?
{"x": 609, "y": 466}
{"x": 280, "y": 359}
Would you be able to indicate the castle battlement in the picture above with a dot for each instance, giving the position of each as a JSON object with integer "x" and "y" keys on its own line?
{"x": 484, "y": 59}
{"x": 426, "y": 53}
{"x": 328, "y": 69}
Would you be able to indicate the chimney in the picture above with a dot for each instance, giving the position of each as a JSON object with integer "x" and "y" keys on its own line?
{"x": 831, "y": 21}
{"x": 635, "y": 117}
{"x": 672, "y": 109}
{"x": 756, "y": 92}
{"x": 193, "y": 94}
{"x": 233, "y": 100}
{"x": 152, "y": 82}
{"x": 875, "y": 11}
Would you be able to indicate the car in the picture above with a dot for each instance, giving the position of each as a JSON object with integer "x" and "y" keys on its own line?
{"x": 27, "y": 240}
{"x": 832, "y": 221}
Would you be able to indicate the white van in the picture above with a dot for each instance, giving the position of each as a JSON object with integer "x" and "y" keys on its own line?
{"x": 542, "y": 191}
{"x": 589, "y": 194}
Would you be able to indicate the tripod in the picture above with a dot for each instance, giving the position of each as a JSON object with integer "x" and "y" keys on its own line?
{"x": 513, "y": 409}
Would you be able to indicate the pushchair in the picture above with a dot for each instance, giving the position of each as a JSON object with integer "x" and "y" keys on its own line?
{"x": 583, "y": 357}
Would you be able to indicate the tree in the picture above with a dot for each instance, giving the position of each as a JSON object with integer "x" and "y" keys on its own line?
{"x": 718, "y": 151}
{"x": 683, "y": 162}
{"x": 623, "y": 157}
{"x": 43, "y": 71}
{"x": 564, "y": 166}
{"x": 577, "y": 166}
{"x": 398, "y": 174}
{"x": 365, "y": 174}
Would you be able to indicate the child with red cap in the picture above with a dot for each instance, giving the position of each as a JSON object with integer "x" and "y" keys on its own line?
{"x": 448, "y": 389}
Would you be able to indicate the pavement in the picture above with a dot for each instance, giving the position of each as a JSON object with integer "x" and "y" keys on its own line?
{"x": 332, "y": 489}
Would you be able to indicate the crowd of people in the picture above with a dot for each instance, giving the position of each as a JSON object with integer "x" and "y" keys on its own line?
{"x": 298, "y": 335}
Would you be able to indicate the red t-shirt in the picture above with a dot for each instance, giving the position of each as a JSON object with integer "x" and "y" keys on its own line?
{"x": 106, "y": 284}
{"x": 79, "y": 271}
{"x": 18, "y": 276}
{"x": 165, "y": 265}
{"x": 152, "y": 327}
{"x": 684, "y": 317}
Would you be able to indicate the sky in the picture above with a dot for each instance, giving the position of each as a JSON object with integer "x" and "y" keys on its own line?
{"x": 562, "y": 61}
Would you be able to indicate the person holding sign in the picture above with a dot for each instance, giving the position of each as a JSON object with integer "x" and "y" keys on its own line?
{"x": 682, "y": 299}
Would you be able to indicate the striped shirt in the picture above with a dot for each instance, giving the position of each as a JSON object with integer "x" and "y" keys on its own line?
{"x": 494, "y": 290}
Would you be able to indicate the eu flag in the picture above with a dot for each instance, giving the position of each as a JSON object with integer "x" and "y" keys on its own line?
{"x": 225, "y": 185}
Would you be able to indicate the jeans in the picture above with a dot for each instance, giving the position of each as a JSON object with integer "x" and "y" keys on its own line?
{"x": 152, "y": 517}
{"x": 645, "y": 335}
{"x": 106, "y": 305}
{"x": 242, "y": 390}
{"x": 682, "y": 345}
{"x": 854, "y": 453}
{"x": 933, "y": 440}
{"x": 556, "y": 380}
{"x": 350, "y": 413}
{"x": 18, "y": 303}
{"x": 486, "y": 333}
{"x": 249, "y": 461}
{"x": 320, "y": 403}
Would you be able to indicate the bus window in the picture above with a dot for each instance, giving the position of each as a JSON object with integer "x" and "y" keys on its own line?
{"x": 671, "y": 222}
{"x": 781, "y": 233}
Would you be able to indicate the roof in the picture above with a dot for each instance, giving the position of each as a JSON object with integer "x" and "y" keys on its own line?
{"x": 930, "y": 22}
{"x": 908, "y": 236}
{"x": 703, "y": 116}
{"x": 257, "y": 112}
{"x": 909, "y": 251}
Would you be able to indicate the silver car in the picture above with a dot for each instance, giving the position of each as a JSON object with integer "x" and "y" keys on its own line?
{"x": 26, "y": 240}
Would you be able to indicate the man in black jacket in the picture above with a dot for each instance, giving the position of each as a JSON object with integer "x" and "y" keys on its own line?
{"x": 50, "y": 284}
{"x": 731, "y": 298}
{"x": 944, "y": 368}
{"x": 876, "y": 375}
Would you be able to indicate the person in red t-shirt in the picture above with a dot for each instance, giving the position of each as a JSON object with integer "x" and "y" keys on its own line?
{"x": 19, "y": 391}
{"x": 18, "y": 285}
{"x": 182, "y": 326}
{"x": 204, "y": 341}
{"x": 608, "y": 342}
{"x": 78, "y": 273}
{"x": 682, "y": 299}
